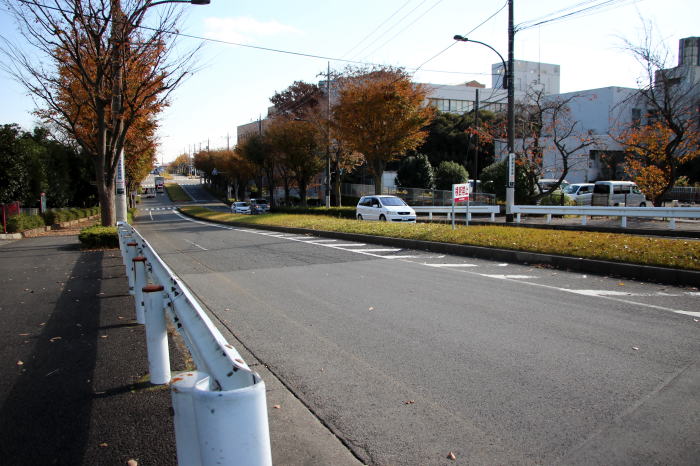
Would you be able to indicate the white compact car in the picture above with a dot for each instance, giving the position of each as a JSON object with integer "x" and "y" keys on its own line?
{"x": 385, "y": 209}
{"x": 240, "y": 208}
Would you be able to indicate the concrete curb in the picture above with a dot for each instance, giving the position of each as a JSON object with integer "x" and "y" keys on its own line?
{"x": 648, "y": 273}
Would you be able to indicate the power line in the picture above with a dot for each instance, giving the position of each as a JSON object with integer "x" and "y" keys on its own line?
{"x": 568, "y": 15}
{"x": 389, "y": 29}
{"x": 377, "y": 28}
{"x": 411, "y": 24}
{"x": 465, "y": 35}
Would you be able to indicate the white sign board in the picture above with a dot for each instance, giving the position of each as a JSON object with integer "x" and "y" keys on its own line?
{"x": 460, "y": 192}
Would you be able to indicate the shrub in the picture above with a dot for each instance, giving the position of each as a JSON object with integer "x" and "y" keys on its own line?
{"x": 415, "y": 171}
{"x": 449, "y": 173}
{"x": 22, "y": 222}
{"x": 99, "y": 237}
{"x": 338, "y": 212}
{"x": 63, "y": 215}
{"x": 556, "y": 198}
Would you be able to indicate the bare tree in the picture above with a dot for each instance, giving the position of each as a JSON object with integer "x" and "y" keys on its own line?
{"x": 96, "y": 69}
{"x": 544, "y": 123}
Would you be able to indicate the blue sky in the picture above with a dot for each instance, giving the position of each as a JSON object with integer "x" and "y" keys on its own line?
{"x": 235, "y": 83}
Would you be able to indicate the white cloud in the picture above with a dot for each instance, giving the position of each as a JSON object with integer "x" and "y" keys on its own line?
{"x": 244, "y": 29}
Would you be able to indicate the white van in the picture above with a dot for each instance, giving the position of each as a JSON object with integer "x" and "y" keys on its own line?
{"x": 618, "y": 193}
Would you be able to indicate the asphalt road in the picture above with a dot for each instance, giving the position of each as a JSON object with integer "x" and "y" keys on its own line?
{"x": 408, "y": 355}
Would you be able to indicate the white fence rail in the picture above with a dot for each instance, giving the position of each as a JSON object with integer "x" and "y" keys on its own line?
{"x": 670, "y": 213}
{"x": 459, "y": 209}
{"x": 220, "y": 409}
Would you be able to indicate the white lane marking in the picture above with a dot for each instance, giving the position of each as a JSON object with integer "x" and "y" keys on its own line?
{"x": 502, "y": 277}
{"x": 540, "y": 285}
{"x": 368, "y": 250}
{"x": 503, "y": 265}
{"x": 318, "y": 241}
{"x": 450, "y": 265}
{"x": 150, "y": 214}
{"x": 347, "y": 245}
{"x": 401, "y": 257}
{"x": 197, "y": 245}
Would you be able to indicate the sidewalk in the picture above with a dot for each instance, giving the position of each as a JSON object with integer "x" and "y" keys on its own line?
{"x": 75, "y": 384}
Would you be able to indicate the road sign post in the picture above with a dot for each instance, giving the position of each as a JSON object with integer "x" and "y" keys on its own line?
{"x": 460, "y": 193}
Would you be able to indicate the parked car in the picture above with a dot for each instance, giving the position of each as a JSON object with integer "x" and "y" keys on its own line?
{"x": 581, "y": 193}
{"x": 617, "y": 193}
{"x": 384, "y": 208}
{"x": 240, "y": 208}
{"x": 259, "y": 205}
{"x": 546, "y": 183}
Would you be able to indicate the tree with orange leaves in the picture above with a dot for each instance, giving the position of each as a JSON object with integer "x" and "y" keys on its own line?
{"x": 106, "y": 77}
{"x": 381, "y": 114}
{"x": 667, "y": 136}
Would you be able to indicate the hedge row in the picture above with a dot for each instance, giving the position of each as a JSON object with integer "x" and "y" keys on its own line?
{"x": 99, "y": 237}
{"x": 22, "y": 222}
{"x": 337, "y": 212}
{"x": 64, "y": 215}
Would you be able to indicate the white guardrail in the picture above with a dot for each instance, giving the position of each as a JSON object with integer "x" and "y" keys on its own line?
{"x": 671, "y": 213}
{"x": 459, "y": 209}
{"x": 220, "y": 409}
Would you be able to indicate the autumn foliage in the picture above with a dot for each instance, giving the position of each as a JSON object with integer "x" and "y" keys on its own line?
{"x": 381, "y": 115}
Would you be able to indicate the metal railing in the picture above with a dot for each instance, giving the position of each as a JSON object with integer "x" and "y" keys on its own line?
{"x": 220, "y": 408}
{"x": 670, "y": 213}
{"x": 416, "y": 196}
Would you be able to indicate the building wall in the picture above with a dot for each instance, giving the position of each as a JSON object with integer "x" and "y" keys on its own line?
{"x": 529, "y": 74}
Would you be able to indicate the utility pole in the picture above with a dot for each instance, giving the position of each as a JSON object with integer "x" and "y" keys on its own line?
{"x": 476, "y": 145}
{"x": 328, "y": 138}
{"x": 510, "y": 185}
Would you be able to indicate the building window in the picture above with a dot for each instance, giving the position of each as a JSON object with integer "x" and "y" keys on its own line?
{"x": 636, "y": 117}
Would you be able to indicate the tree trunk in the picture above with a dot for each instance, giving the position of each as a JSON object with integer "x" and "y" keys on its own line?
{"x": 302, "y": 194}
{"x": 106, "y": 195}
{"x": 377, "y": 183}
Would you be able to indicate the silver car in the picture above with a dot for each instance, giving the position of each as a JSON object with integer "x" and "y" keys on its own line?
{"x": 240, "y": 208}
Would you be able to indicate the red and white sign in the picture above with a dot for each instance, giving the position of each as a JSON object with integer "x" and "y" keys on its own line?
{"x": 460, "y": 192}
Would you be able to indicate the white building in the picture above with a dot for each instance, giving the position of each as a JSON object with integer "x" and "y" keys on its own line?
{"x": 529, "y": 75}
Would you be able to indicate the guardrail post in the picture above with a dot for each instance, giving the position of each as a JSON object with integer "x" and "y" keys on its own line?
{"x": 623, "y": 221}
{"x": 517, "y": 217}
{"x": 549, "y": 219}
{"x": 186, "y": 438}
{"x": 584, "y": 219}
{"x": 672, "y": 223}
{"x": 139, "y": 268}
{"x": 130, "y": 254}
{"x": 156, "y": 335}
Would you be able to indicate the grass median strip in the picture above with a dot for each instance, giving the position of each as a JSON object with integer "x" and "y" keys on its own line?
{"x": 663, "y": 252}
{"x": 176, "y": 193}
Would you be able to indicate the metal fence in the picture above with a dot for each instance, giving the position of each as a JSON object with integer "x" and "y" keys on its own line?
{"x": 416, "y": 196}
{"x": 683, "y": 194}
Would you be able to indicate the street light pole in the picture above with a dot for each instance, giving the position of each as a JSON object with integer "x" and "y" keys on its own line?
{"x": 119, "y": 35}
{"x": 328, "y": 138}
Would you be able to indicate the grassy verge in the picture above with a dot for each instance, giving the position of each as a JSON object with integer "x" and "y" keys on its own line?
{"x": 176, "y": 193}
{"x": 675, "y": 253}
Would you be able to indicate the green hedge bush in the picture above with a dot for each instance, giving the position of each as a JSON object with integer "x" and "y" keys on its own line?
{"x": 54, "y": 216}
{"x": 338, "y": 212}
{"x": 99, "y": 237}
{"x": 22, "y": 222}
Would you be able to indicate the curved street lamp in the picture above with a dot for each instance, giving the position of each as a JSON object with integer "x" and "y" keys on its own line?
{"x": 505, "y": 67}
